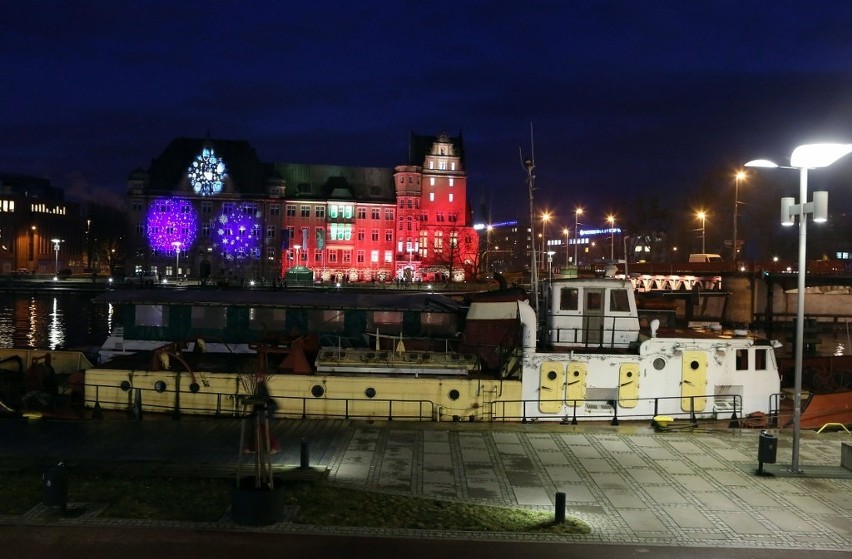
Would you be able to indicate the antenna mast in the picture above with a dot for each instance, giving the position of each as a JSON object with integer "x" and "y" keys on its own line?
{"x": 529, "y": 166}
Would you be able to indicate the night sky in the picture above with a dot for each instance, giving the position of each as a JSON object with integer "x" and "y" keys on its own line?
{"x": 626, "y": 98}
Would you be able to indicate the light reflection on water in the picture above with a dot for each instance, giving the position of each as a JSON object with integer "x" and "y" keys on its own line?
{"x": 53, "y": 321}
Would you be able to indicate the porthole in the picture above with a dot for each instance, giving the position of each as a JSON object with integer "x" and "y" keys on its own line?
{"x": 629, "y": 374}
{"x": 694, "y": 365}
{"x": 370, "y": 392}
{"x": 317, "y": 391}
{"x": 160, "y": 386}
{"x": 194, "y": 387}
{"x": 659, "y": 363}
{"x": 454, "y": 394}
{"x": 576, "y": 373}
{"x": 551, "y": 375}
{"x": 125, "y": 385}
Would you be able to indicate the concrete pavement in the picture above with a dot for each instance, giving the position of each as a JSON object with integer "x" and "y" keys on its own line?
{"x": 682, "y": 487}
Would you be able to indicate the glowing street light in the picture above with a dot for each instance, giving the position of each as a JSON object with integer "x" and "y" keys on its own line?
{"x": 804, "y": 157}
{"x": 177, "y": 245}
{"x": 702, "y": 215}
{"x": 545, "y": 218}
{"x": 56, "y": 259}
{"x": 611, "y": 220}
{"x": 577, "y": 213}
{"x": 567, "y": 232}
{"x": 741, "y": 175}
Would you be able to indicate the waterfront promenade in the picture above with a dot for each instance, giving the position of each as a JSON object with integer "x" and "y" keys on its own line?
{"x": 681, "y": 488}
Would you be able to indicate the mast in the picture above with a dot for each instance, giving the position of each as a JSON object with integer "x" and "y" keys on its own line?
{"x": 529, "y": 166}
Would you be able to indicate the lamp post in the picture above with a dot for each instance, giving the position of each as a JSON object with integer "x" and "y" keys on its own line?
{"x": 737, "y": 178}
{"x": 177, "y": 245}
{"x": 550, "y": 254}
{"x": 488, "y": 247}
{"x": 567, "y": 232}
{"x": 577, "y": 213}
{"x": 702, "y": 215}
{"x": 611, "y": 220}
{"x": 56, "y": 257}
{"x": 804, "y": 157}
{"x": 545, "y": 217}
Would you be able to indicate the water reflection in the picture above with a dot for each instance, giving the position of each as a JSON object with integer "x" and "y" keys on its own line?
{"x": 54, "y": 321}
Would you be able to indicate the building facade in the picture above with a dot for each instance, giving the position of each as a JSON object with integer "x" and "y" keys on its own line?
{"x": 210, "y": 209}
{"x": 40, "y": 232}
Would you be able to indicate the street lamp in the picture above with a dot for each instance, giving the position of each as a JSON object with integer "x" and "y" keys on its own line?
{"x": 737, "y": 178}
{"x": 702, "y": 215}
{"x": 56, "y": 258}
{"x": 550, "y": 254}
{"x": 804, "y": 157}
{"x": 177, "y": 244}
{"x": 488, "y": 247}
{"x": 577, "y": 213}
{"x": 567, "y": 232}
{"x": 545, "y": 217}
{"x": 611, "y": 219}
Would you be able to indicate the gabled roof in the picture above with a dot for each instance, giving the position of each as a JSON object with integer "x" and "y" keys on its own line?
{"x": 248, "y": 173}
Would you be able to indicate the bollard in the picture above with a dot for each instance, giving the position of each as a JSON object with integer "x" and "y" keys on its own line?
{"x": 304, "y": 456}
{"x": 560, "y": 507}
{"x": 54, "y": 482}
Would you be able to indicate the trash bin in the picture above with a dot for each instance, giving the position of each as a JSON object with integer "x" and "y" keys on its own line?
{"x": 767, "y": 448}
{"x": 54, "y": 483}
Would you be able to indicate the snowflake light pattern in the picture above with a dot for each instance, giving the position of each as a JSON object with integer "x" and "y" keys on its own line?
{"x": 170, "y": 221}
{"x": 207, "y": 172}
{"x": 238, "y": 233}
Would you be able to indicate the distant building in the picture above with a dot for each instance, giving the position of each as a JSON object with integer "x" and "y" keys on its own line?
{"x": 40, "y": 231}
{"x": 211, "y": 209}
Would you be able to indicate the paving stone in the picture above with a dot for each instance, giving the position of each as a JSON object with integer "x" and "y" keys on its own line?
{"x": 562, "y": 474}
{"x": 688, "y": 517}
{"x": 531, "y": 495}
{"x": 746, "y": 524}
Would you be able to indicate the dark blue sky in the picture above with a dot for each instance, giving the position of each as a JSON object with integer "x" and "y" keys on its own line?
{"x": 625, "y": 97}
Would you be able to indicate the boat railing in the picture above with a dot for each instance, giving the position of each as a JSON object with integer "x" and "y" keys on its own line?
{"x": 220, "y": 404}
{"x": 595, "y": 332}
{"x": 693, "y": 413}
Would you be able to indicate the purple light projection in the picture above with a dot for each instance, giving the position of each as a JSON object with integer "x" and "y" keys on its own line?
{"x": 238, "y": 233}
{"x": 171, "y": 221}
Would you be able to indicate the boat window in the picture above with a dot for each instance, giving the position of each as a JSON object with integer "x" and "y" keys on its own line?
{"x": 593, "y": 301}
{"x": 760, "y": 360}
{"x": 618, "y": 301}
{"x": 569, "y": 299}
{"x": 151, "y": 315}
{"x": 209, "y": 317}
{"x": 266, "y": 318}
{"x": 742, "y": 359}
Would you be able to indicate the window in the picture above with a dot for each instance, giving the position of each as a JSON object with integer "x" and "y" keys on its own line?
{"x": 451, "y": 196}
{"x": 359, "y": 257}
{"x": 453, "y": 217}
{"x": 454, "y": 239}
{"x": 389, "y": 235}
{"x": 206, "y": 208}
{"x": 388, "y": 256}
{"x": 439, "y": 242}
{"x": 270, "y": 232}
{"x": 291, "y": 210}
{"x": 431, "y": 181}
{"x": 389, "y": 215}
{"x": 618, "y": 301}
{"x": 274, "y": 210}
{"x": 374, "y": 213}
{"x": 439, "y": 216}
{"x": 594, "y": 301}
{"x": 205, "y": 230}
{"x": 360, "y": 234}
{"x": 318, "y": 256}
{"x": 137, "y": 205}
{"x": 374, "y": 256}
{"x": 569, "y": 299}
{"x": 270, "y": 253}
{"x": 266, "y": 319}
{"x": 319, "y": 211}
{"x": 306, "y": 211}
{"x": 442, "y": 165}
{"x": 742, "y": 359}
{"x": 208, "y": 317}
{"x": 431, "y": 196}
{"x": 362, "y": 213}
{"x": 374, "y": 235}
{"x": 347, "y": 256}
{"x": 151, "y": 315}
{"x": 760, "y": 359}
{"x": 452, "y": 166}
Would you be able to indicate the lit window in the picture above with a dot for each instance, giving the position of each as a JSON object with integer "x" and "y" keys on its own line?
{"x": 431, "y": 196}
{"x": 451, "y": 196}
{"x": 374, "y": 256}
{"x": 452, "y": 181}
{"x": 431, "y": 181}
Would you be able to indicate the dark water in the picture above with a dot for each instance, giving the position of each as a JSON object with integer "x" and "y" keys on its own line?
{"x": 54, "y": 320}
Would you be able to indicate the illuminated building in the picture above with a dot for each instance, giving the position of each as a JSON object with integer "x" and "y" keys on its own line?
{"x": 214, "y": 207}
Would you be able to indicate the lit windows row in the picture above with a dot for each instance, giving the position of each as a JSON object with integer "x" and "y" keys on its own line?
{"x": 7, "y": 206}
{"x": 45, "y": 209}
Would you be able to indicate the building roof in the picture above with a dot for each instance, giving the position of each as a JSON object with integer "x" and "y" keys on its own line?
{"x": 323, "y": 182}
{"x": 420, "y": 146}
{"x": 248, "y": 174}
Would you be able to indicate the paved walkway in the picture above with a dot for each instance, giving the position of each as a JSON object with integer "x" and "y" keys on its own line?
{"x": 632, "y": 485}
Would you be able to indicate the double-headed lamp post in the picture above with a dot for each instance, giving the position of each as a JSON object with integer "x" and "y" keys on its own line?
{"x": 804, "y": 157}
